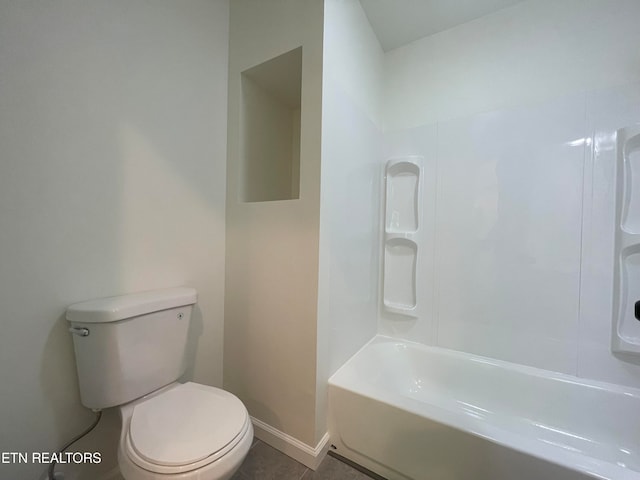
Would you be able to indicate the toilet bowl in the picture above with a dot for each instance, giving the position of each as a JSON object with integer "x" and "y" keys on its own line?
{"x": 130, "y": 352}
{"x": 185, "y": 431}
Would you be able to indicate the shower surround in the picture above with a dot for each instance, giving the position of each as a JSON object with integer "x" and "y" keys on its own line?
{"x": 518, "y": 212}
{"x": 497, "y": 361}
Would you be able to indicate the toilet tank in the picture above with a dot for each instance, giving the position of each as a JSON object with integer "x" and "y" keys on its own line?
{"x": 131, "y": 345}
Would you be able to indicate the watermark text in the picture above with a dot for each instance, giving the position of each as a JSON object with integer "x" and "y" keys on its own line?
{"x": 48, "y": 457}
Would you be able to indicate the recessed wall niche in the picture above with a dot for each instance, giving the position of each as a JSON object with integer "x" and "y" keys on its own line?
{"x": 270, "y": 126}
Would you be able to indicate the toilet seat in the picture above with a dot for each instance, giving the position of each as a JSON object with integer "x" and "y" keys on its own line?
{"x": 185, "y": 428}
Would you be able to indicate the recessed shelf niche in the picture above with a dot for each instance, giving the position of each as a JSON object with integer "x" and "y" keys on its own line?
{"x": 270, "y": 129}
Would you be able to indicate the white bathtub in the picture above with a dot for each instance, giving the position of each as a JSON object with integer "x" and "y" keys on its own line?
{"x": 405, "y": 410}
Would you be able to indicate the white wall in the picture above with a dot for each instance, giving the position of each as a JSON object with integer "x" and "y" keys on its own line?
{"x": 518, "y": 208}
{"x": 112, "y": 180}
{"x": 527, "y": 53}
{"x": 272, "y": 247}
{"x": 350, "y": 193}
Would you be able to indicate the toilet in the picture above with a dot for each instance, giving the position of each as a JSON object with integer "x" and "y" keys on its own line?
{"x": 130, "y": 351}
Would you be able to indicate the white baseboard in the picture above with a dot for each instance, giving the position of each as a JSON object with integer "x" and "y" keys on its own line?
{"x": 308, "y": 456}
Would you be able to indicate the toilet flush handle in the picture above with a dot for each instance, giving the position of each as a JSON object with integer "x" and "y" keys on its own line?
{"x": 80, "y": 331}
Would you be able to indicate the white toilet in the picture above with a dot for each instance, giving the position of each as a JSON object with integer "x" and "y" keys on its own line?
{"x": 130, "y": 351}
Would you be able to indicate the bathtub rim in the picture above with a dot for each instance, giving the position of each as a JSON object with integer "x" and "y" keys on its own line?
{"x": 517, "y": 367}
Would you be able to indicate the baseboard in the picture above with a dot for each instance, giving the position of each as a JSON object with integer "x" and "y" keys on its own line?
{"x": 308, "y": 456}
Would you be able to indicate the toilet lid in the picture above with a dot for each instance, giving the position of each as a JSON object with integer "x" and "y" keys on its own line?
{"x": 185, "y": 424}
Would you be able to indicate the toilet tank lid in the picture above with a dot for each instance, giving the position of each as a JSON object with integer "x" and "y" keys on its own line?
{"x": 112, "y": 309}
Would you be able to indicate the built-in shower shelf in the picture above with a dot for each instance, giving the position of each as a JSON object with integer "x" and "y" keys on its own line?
{"x": 626, "y": 327}
{"x": 403, "y": 188}
{"x": 400, "y": 256}
{"x": 408, "y": 235}
{"x": 628, "y": 239}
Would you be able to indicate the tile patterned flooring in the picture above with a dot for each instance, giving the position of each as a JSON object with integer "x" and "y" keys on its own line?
{"x": 266, "y": 463}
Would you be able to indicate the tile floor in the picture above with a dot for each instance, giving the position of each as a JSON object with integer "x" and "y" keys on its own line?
{"x": 266, "y": 463}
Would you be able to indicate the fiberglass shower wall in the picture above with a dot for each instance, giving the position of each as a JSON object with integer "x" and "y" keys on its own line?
{"x": 516, "y": 116}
